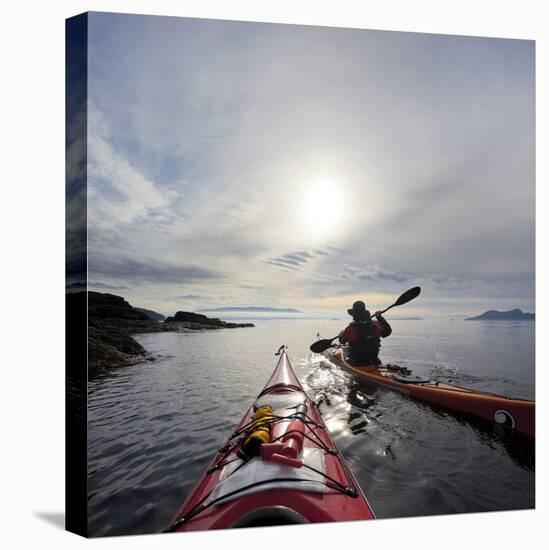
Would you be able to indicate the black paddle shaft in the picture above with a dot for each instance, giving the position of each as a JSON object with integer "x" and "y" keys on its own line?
{"x": 408, "y": 296}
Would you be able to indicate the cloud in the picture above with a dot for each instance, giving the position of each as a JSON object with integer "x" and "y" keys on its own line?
{"x": 293, "y": 260}
{"x": 94, "y": 284}
{"x": 288, "y": 264}
{"x": 200, "y": 178}
{"x": 296, "y": 261}
{"x": 149, "y": 270}
{"x": 374, "y": 272}
{"x": 118, "y": 193}
{"x": 97, "y": 284}
{"x": 303, "y": 255}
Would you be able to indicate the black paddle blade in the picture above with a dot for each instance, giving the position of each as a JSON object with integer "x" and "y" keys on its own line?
{"x": 321, "y": 345}
{"x": 408, "y": 296}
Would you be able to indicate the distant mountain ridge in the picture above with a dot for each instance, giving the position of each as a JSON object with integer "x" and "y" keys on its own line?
{"x": 405, "y": 318}
{"x": 494, "y": 315}
{"x": 253, "y": 309}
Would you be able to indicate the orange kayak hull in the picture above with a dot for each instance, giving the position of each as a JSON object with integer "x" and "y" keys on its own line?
{"x": 516, "y": 413}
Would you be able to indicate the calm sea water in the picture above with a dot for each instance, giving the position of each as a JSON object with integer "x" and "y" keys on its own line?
{"x": 155, "y": 426}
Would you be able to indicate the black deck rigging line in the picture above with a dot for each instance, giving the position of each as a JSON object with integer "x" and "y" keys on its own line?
{"x": 219, "y": 465}
{"x": 273, "y": 418}
{"x": 308, "y": 421}
{"x": 196, "y": 509}
{"x": 320, "y": 444}
{"x": 343, "y": 488}
{"x": 243, "y": 462}
{"x": 228, "y": 448}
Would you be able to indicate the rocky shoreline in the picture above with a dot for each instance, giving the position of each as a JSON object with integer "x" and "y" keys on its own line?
{"x": 186, "y": 320}
{"x": 112, "y": 321}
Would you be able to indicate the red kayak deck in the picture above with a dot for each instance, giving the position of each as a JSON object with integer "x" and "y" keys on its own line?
{"x": 311, "y": 485}
{"x": 515, "y": 413}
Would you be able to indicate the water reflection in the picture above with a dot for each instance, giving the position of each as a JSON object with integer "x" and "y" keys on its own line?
{"x": 353, "y": 405}
{"x": 154, "y": 427}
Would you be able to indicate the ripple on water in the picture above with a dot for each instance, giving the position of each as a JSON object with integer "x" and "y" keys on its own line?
{"x": 154, "y": 427}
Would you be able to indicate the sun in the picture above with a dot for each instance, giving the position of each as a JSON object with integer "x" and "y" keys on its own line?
{"x": 322, "y": 208}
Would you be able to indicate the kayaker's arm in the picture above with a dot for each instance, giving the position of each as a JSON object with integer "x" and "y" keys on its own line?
{"x": 345, "y": 335}
{"x": 385, "y": 326}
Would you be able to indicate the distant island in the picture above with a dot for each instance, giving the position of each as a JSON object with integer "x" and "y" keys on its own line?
{"x": 112, "y": 321}
{"x": 406, "y": 318}
{"x": 253, "y": 309}
{"x": 493, "y": 315}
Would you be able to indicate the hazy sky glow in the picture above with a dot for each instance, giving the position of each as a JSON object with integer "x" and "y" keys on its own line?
{"x": 246, "y": 164}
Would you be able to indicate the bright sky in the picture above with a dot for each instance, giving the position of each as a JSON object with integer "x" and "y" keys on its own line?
{"x": 247, "y": 164}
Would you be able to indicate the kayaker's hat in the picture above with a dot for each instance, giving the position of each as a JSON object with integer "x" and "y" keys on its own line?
{"x": 359, "y": 311}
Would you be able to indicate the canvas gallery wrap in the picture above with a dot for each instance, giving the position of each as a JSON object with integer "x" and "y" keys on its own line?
{"x": 300, "y": 274}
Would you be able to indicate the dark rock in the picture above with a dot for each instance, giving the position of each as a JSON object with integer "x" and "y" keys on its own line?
{"x": 107, "y": 311}
{"x": 107, "y": 306}
{"x": 197, "y": 321}
{"x": 189, "y": 317}
{"x": 111, "y": 347}
{"x": 112, "y": 321}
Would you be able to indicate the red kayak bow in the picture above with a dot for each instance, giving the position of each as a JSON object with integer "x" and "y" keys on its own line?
{"x": 279, "y": 467}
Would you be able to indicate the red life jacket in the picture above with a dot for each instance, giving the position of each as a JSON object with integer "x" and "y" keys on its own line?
{"x": 363, "y": 338}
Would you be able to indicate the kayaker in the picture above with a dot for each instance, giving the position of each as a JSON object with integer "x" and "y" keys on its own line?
{"x": 363, "y": 335}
